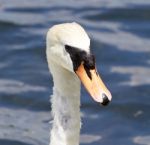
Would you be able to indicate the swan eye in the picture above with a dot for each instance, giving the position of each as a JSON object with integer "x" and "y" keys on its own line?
{"x": 79, "y": 56}
{"x": 76, "y": 56}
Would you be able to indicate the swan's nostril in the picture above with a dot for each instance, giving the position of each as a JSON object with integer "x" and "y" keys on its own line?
{"x": 105, "y": 100}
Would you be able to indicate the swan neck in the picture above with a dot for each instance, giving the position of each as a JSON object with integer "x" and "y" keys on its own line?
{"x": 65, "y": 107}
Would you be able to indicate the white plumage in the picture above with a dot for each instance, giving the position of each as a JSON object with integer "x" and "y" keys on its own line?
{"x": 66, "y": 90}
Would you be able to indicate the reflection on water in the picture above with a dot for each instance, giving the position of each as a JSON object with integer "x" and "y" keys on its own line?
{"x": 143, "y": 140}
{"x": 120, "y": 32}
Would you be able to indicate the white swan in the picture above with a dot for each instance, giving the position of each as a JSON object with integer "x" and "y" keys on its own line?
{"x": 69, "y": 60}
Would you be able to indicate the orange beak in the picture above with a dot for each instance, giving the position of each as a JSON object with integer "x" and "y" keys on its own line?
{"x": 94, "y": 85}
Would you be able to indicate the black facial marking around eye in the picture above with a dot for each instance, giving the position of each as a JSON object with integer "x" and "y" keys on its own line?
{"x": 78, "y": 56}
{"x": 89, "y": 64}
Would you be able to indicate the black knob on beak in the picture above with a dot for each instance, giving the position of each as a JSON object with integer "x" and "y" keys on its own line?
{"x": 105, "y": 100}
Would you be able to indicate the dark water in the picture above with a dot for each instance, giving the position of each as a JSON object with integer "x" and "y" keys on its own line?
{"x": 120, "y": 39}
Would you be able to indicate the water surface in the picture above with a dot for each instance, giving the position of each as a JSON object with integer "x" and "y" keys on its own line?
{"x": 120, "y": 39}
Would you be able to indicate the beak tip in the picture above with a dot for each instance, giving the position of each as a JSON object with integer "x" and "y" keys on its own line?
{"x": 106, "y": 99}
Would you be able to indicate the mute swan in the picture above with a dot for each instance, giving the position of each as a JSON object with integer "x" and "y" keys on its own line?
{"x": 70, "y": 60}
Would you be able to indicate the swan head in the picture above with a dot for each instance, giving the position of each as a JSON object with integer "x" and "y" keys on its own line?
{"x": 68, "y": 45}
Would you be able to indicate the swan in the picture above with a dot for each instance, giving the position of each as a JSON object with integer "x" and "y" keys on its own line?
{"x": 70, "y": 61}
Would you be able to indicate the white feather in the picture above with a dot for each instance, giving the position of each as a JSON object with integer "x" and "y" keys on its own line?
{"x": 66, "y": 91}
